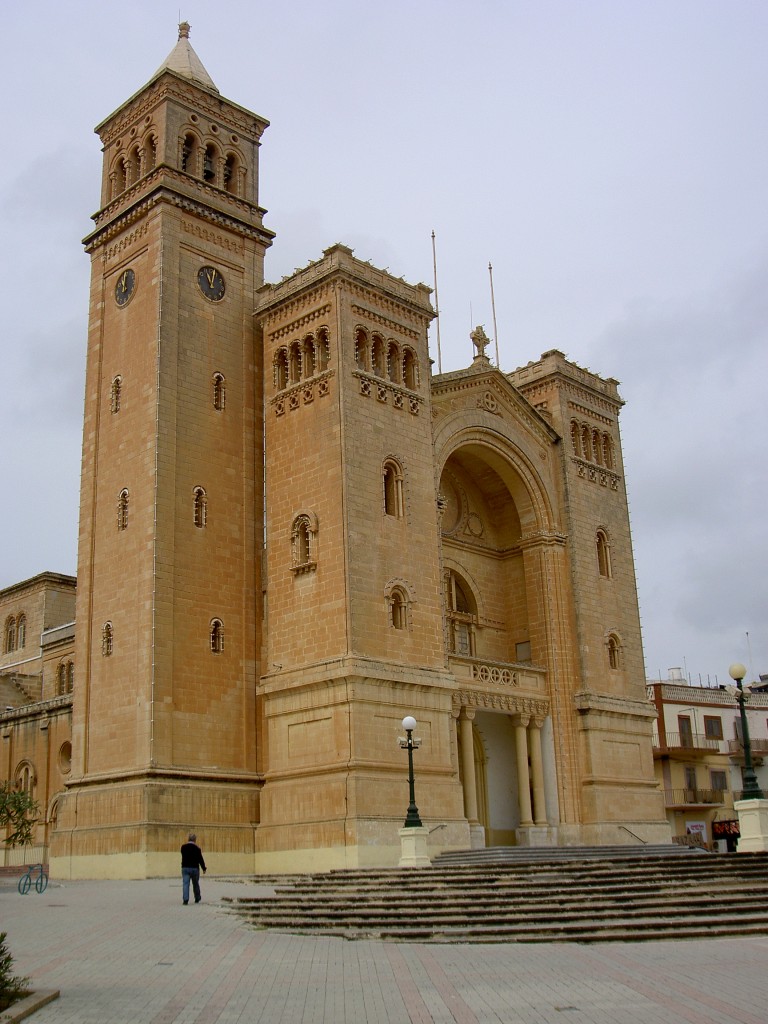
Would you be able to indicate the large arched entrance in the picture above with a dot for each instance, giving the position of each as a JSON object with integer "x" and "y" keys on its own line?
{"x": 493, "y": 512}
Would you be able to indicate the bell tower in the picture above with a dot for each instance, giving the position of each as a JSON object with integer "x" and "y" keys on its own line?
{"x": 169, "y": 595}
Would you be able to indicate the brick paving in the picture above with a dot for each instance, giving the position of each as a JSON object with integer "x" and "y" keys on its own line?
{"x": 130, "y": 953}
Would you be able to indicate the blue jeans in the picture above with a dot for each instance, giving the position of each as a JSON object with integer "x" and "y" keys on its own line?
{"x": 192, "y": 874}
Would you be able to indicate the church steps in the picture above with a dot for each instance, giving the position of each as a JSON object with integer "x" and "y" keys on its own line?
{"x": 610, "y": 899}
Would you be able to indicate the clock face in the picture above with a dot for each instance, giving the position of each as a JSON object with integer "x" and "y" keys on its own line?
{"x": 211, "y": 283}
{"x": 126, "y": 283}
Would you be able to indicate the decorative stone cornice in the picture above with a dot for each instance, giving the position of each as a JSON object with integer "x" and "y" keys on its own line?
{"x": 607, "y": 704}
{"x": 509, "y": 703}
{"x": 299, "y": 322}
{"x": 163, "y": 194}
{"x": 386, "y": 293}
{"x": 389, "y": 324}
{"x": 492, "y": 387}
{"x": 170, "y": 86}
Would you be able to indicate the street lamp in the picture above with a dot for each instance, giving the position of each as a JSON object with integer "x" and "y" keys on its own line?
{"x": 751, "y": 789}
{"x": 412, "y": 819}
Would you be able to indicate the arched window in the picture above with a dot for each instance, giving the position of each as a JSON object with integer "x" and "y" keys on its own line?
{"x": 10, "y": 635}
{"x": 219, "y": 391}
{"x": 25, "y": 778}
{"x": 378, "y": 359}
{"x": 394, "y": 369}
{"x": 120, "y": 177}
{"x": 597, "y": 447}
{"x": 603, "y": 554}
{"x": 135, "y": 169}
{"x": 117, "y": 387}
{"x": 308, "y": 357}
{"x": 398, "y": 606}
{"x": 393, "y": 489}
{"x": 61, "y": 683}
{"x": 150, "y": 153}
{"x": 70, "y": 676}
{"x": 189, "y": 154}
{"x": 106, "y": 639}
{"x": 321, "y": 350}
{"x": 461, "y": 611}
{"x": 281, "y": 369}
{"x": 217, "y": 636}
{"x": 21, "y": 632}
{"x": 122, "y": 509}
{"x": 209, "y": 163}
{"x": 586, "y": 443}
{"x": 304, "y": 542}
{"x": 576, "y": 438}
{"x": 199, "y": 507}
{"x": 230, "y": 173}
{"x": 294, "y": 363}
{"x": 607, "y": 451}
{"x": 362, "y": 352}
{"x": 614, "y": 651}
{"x": 410, "y": 369}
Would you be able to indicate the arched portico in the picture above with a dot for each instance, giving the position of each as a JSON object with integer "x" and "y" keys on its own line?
{"x": 502, "y": 623}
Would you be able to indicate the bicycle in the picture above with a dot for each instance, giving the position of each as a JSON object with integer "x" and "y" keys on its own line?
{"x": 41, "y": 882}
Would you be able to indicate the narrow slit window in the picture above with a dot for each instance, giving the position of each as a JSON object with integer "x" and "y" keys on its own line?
{"x": 117, "y": 387}
{"x": 217, "y": 637}
{"x": 219, "y": 391}
{"x": 107, "y": 639}
{"x": 200, "y": 508}
{"x": 122, "y": 510}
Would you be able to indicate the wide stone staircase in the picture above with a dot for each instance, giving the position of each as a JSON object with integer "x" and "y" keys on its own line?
{"x": 561, "y": 895}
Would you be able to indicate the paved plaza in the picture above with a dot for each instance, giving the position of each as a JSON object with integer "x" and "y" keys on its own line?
{"x": 130, "y": 953}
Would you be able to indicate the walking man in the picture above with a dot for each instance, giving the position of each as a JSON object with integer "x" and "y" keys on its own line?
{"x": 191, "y": 862}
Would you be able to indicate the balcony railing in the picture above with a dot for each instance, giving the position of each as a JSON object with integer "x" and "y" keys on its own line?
{"x": 759, "y": 747}
{"x": 497, "y": 675}
{"x": 692, "y": 797}
{"x": 688, "y": 741}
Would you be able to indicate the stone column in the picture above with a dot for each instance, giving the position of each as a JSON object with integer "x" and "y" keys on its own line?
{"x": 468, "y": 765}
{"x": 523, "y": 780}
{"x": 537, "y": 772}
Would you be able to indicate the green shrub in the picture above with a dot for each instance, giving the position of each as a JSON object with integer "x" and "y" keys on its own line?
{"x": 11, "y": 987}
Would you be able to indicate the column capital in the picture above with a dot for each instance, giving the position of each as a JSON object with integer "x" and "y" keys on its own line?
{"x": 521, "y": 720}
{"x": 468, "y": 713}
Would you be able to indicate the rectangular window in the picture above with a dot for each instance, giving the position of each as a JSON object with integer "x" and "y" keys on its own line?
{"x": 718, "y": 780}
{"x": 690, "y": 777}
{"x": 684, "y": 728}
{"x": 713, "y": 727}
{"x": 523, "y": 652}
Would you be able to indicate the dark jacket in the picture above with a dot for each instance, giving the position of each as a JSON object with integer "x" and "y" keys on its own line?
{"x": 192, "y": 856}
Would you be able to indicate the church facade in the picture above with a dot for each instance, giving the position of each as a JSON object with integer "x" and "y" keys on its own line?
{"x": 293, "y": 534}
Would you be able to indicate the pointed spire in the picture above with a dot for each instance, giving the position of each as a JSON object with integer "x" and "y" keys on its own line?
{"x": 184, "y": 61}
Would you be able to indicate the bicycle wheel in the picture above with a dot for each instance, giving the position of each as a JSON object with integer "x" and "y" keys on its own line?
{"x": 25, "y": 884}
{"x": 41, "y": 883}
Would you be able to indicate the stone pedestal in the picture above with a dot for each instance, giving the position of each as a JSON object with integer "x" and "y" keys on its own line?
{"x": 476, "y": 837}
{"x": 753, "y": 825}
{"x": 536, "y": 835}
{"x": 413, "y": 848}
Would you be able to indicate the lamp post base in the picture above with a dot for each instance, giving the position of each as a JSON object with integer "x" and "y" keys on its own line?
{"x": 753, "y": 825}
{"x": 413, "y": 848}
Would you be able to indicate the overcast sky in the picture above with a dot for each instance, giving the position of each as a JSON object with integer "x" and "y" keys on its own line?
{"x": 609, "y": 158}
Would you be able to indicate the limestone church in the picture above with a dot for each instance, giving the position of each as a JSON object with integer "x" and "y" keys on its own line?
{"x": 293, "y": 533}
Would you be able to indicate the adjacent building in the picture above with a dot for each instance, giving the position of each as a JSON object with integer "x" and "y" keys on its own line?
{"x": 698, "y": 751}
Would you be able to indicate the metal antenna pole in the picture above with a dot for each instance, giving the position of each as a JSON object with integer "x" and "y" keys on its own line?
{"x": 437, "y": 306}
{"x": 493, "y": 307}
